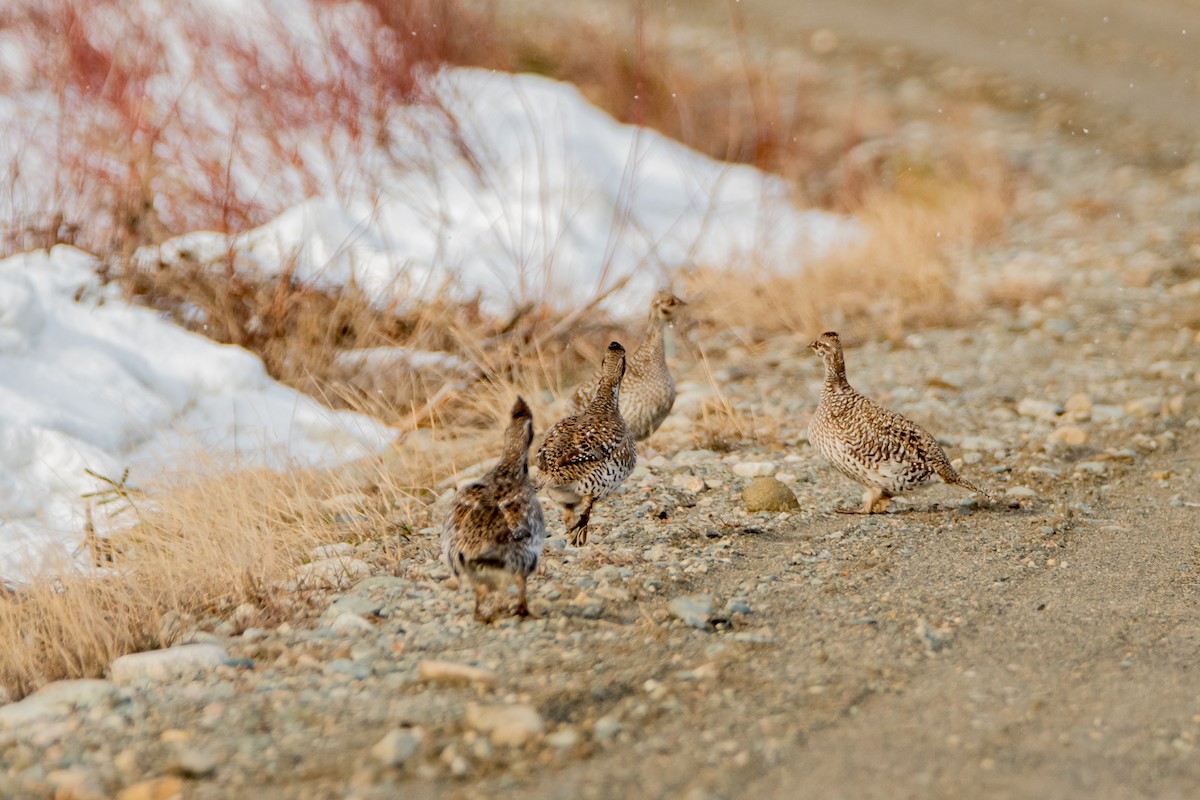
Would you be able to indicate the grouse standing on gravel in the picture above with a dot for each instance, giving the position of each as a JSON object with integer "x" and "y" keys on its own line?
{"x": 495, "y": 531}
{"x": 873, "y": 445}
{"x": 586, "y": 456}
{"x": 648, "y": 391}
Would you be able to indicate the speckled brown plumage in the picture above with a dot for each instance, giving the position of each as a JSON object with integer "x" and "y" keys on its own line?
{"x": 586, "y": 456}
{"x": 870, "y": 444}
{"x": 495, "y": 531}
{"x": 648, "y": 390}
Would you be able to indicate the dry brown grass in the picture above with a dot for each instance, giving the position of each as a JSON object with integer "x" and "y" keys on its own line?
{"x": 195, "y": 549}
{"x": 902, "y": 277}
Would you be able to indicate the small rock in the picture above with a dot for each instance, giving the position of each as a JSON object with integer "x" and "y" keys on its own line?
{"x": 164, "y": 665}
{"x": 1070, "y": 434}
{"x": 1079, "y": 407}
{"x": 505, "y": 724}
{"x": 1145, "y": 406}
{"x": 695, "y": 610}
{"x": 1020, "y": 493}
{"x": 768, "y": 494}
{"x": 57, "y": 700}
{"x": 563, "y": 739}
{"x": 1092, "y": 467}
{"x": 353, "y": 604}
{"x": 157, "y": 789}
{"x": 328, "y": 551}
{"x": 336, "y": 573}
{"x": 350, "y": 623}
{"x": 753, "y": 469}
{"x": 1161, "y": 475}
{"x": 192, "y": 762}
{"x": 737, "y": 607}
{"x": 1105, "y": 413}
{"x": 981, "y": 444}
{"x": 450, "y": 672}
{"x": 1038, "y": 409}
{"x": 399, "y": 746}
{"x": 606, "y": 728}
{"x": 74, "y": 784}
{"x": 689, "y": 483}
{"x": 657, "y": 552}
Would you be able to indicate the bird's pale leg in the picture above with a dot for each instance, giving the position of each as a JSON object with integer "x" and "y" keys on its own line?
{"x": 870, "y": 498}
{"x": 579, "y": 531}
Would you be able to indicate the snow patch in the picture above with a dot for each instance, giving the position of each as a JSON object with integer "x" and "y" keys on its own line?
{"x": 88, "y": 381}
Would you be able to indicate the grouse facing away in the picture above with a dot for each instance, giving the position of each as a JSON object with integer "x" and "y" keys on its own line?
{"x": 648, "y": 390}
{"x": 873, "y": 445}
{"x": 495, "y": 531}
{"x": 585, "y": 457}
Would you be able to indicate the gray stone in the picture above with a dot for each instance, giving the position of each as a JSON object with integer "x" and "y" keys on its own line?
{"x": 168, "y": 664}
{"x": 1020, "y": 493}
{"x": 981, "y": 444}
{"x": 563, "y": 739}
{"x": 358, "y": 670}
{"x": 191, "y": 762}
{"x": 606, "y": 728}
{"x": 350, "y": 623}
{"x": 1092, "y": 467}
{"x": 355, "y": 604}
{"x": 399, "y": 747}
{"x": 505, "y": 724}
{"x": 753, "y": 469}
{"x": 768, "y": 494}
{"x": 57, "y": 700}
{"x": 334, "y": 573}
{"x": 695, "y": 610}
{"x": 1038, "y": 409}
{"x": 737, "y": 607}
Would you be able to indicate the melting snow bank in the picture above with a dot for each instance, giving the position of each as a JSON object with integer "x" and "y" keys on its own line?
{"x": 516, "y": 189}
{"x": 88, "y": 381}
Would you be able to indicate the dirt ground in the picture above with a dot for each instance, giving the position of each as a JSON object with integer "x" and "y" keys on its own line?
{"x": 1069, "y": 683}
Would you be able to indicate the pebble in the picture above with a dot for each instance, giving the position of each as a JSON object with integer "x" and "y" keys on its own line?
{"x": 689, "y": 483}
{"x": 768, "y": 494}
{"x": 564, "y": 738}
{"x": 982, "y": 444}
{"x": 506, "y": 725}
{"x": 335, "y": 573}
{"x": 1020, "y": 493}
{"x": 450, "y": 672}
{"x": 1092, "y": 467}
{"x": 354, "y": 603}
{"x": 1079, "y": 407}
{"x": 606, "y": 728}
{"x": 1107, "y": 413}
{"x": 350, "y": 623}
{"x": 696, "y": 610}
{"x": 57, "y": 700}
{"x": 192, "y": 762}
{"x": 1039, "y": 409}
{"x": 165, "y": 665}
{"x": 753, "y": 469}
{"x": 1145, "y": 406}
{"x": 1072, "y": 435}
{"x": 399, "y": 747}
